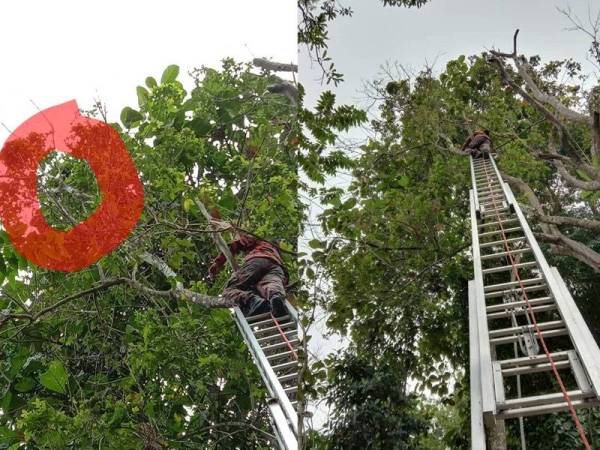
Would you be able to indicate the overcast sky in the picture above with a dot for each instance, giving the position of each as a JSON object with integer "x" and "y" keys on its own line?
{"x": 441, "y": 31}
{"x": 60, "y": 50}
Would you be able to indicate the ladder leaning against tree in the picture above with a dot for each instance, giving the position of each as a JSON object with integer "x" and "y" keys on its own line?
{"x": 531, "y": 352}
{"x": 273, "y": 344}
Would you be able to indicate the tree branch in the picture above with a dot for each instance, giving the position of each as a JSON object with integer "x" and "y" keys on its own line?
{"x": 589, "y": 224}
{"x": 523, "y": 69}
{"x": 273, "y": 66}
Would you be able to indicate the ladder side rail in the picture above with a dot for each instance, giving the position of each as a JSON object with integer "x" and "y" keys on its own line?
{"x": 487, "y": 379}
{"x": 502, "y": 184}
{"x": 475, "y": 194}
{"x": 268, "y": 375}
{"x": 292, "y": 312}
{"x": 477, "y": 429}
{"x": 589, "y": 354}
{"x": 285, "y": 437}
{"x": 586, "y": 345}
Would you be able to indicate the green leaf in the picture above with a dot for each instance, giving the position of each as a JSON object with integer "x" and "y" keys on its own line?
{"x": 142, "y": 95}
{"x": 25, "y": 385}
{"x": 403, "y": 181}
{"x": 170, "y": 74}
{"x": 315, "y": 243}
{"x": 200, "y": 125}
{"x": 130, "y": 117}
{"x": 7, "y": 435}
{"x": 55, "y": 378}
{"x": 187, "y": 204}
{"x": 151, "y": 82}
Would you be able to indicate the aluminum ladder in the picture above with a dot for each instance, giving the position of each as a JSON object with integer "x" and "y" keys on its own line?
{"x": 514, "y": 298}
{"x": 273, "y": 343}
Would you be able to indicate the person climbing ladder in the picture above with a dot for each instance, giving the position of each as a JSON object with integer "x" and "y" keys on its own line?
{"x": 479, "y": 144}
{"x": 258, "y": 286}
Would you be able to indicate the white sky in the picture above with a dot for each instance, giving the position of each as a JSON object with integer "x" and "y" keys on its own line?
{"x": 60, "y": 50}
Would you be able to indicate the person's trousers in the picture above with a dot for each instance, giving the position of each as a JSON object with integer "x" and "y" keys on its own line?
{"x": 260, "y": 276}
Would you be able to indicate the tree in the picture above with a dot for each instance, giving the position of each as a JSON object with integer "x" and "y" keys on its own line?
{"x": 370, "y": 408}
{"x": 398, "y": 248}
{"x": 138, "y": 350}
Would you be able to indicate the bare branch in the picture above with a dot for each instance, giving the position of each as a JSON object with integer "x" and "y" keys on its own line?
{"x": 273, "y": 66}
{"x": 219, "y": 241}
{"x": 589, "y": 224}
{"x": 568, "y": 247}
{"x": 546, "y": 99}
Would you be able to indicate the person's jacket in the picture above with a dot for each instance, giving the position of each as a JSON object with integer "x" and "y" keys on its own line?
{"x": 253, "y": 247}
{"x": 475, "y": 141}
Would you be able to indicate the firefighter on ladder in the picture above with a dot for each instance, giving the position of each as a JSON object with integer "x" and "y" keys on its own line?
{"x": 478, "y": 145}
{"x": 258, "y": 286}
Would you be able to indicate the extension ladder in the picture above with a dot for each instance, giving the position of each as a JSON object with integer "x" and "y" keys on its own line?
{"x": 273, "y": 343}
{"x": 526, "y": 335}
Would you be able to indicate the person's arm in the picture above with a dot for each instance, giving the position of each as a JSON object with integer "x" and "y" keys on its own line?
{"x": 466, "y": 144}
{"x": 219, "y": 261}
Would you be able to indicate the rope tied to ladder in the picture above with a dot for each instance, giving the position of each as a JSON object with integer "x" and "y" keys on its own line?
{"x": 515, "y": 270}
{"x": 283, "y": 335}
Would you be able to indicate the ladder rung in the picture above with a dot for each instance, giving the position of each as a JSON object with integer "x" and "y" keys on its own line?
{"x": 288, "y": 334}
{"x": 501, "y": 242}
{"x": 531, "y": 360}
{"x": 489, "y": 191}
{"x": 283, "y": 326}
{"x": 490, "y": 198}
{"x": 518, "y": 304}
{"x": 518, "y": 251}
{"x": 491, "y": 233}
{"x": 487, "y": 213}
{"x": 511, "y": 284}
{"x": 287, "y": 365}
{"x": 508, "y": 268}
{"x": 540, "y": 367}
{"x": 257, "y": 317}
{"x": 487, "y": 183}
{"x": 521, "y": 311}
{"x": 487, "y": 224}
{"x": 281, "y": 355}
{"x": 534, "y": 288}
{"x": 269, "y": 320}
{"x": 269, "y": 348}
{"x": 287, "y": 377}
{"x": 544, "y": 409}
{"x": 520, "y": 329}
{"x": 515, "y": 338}
{"x": 538, "y": 400}
{"x": 291, "y": 390}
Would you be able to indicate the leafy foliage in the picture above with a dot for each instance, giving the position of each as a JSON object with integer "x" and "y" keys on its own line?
{"x": 398, "y": 248}
{"x": 110, "y": 366}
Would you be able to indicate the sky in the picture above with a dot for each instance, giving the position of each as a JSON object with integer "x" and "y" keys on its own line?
{"x": 440, "y": 31}
{"x": 432, "y": 35}
{"x": 62, "y": 50}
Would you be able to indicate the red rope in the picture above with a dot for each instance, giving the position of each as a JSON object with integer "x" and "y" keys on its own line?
{"x": 578, "y": 425}
{"x": 289, "y": 344}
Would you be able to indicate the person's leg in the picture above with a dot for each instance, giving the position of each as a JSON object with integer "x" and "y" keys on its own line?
{"x": 240, "y": 285}
{"x": 485, "y": 150}
{"x": 271, "y": 287}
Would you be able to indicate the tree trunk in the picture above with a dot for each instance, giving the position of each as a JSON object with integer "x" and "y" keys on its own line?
{"x": 496, "y": 434}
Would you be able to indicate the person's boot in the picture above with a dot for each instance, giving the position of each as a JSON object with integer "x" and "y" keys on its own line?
{"x": 255, "y": 305}
{"x": 278, "y": 305}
